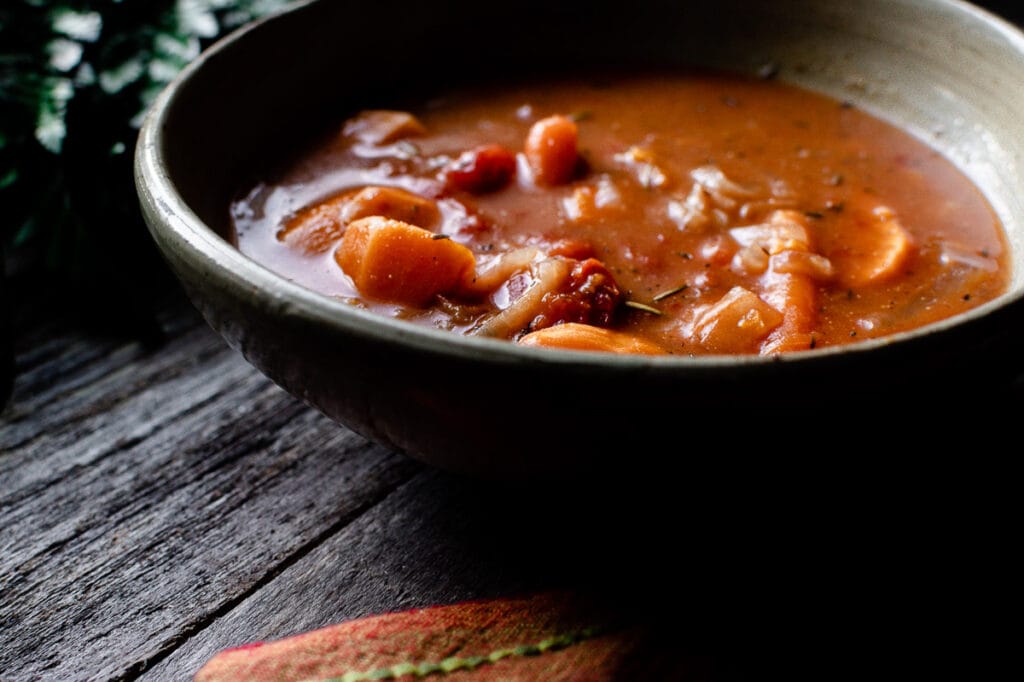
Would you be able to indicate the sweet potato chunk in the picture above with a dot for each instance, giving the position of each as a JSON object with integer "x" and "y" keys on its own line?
{"x": 736, "y": 323}
{"x": 394, "y": 203}
{"x": 316, "y": 229}
{"x": 393, "y": 261}
{"x": 551, "y": 150}
{"x": 576, "y": 336}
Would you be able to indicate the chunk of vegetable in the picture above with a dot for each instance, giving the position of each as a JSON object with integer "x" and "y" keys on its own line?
{"x": 393, "y": 261}
{"x": 736, "y": 323}
{"x": 394, "y": 203}
{"x": 317, "y": 228}
{"x": 498, "y": 269}
{"x": 382, "y": 126}
{"x": 576, "y": 336}
{"x": 591, "y": 202}
{"x": 785, "y": 231}
{"x": 551, "y": 150}
{"x": 791, "y": 282}
{"x": 481, "y": 170}
{"x": 796, "y": 296}
{"x": 873, "y": 253}
{"x": 590, "y": 296}
{"x": 546, "y": 277}
{"x": 806, "y": 263}
{"x": 644, "y": 164}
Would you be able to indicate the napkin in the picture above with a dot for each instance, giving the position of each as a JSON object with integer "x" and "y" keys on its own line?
{"x": 547, "y": 636}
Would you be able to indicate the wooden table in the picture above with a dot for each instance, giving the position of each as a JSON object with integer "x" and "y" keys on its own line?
{"x": 161, "y": 500}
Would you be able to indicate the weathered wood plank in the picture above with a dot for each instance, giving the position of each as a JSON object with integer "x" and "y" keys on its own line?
{"x": 160, "y": 489}
{"x": 430, "y": 542}
{"x": 87, "y": 376}
{"x": 763, "y": 576}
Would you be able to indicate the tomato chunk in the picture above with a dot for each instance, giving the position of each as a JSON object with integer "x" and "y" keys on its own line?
{"x": 481, "y": 170}
{"x": 590, "y": 296}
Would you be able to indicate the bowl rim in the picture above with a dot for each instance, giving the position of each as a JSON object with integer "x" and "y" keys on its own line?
{"x": 218, "y": 258}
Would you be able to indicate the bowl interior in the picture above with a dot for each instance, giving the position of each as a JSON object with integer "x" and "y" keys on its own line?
{"x": 946, "y": 71}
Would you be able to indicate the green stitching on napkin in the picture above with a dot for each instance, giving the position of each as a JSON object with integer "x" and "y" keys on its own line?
{"x": 454, "y": 663}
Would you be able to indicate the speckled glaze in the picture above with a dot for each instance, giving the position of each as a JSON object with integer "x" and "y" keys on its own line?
{"x": 949, "y": 72}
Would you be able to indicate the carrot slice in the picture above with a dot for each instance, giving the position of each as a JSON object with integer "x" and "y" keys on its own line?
{"x": 551, "y": 150}
{"x": 576, "y": 336}
{"x": 796, "y": 295}
{"x": 878, "y": 251}
{"x": 393, "y": 261}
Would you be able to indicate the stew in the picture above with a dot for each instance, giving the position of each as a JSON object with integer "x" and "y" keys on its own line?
{"x": 683, "y": 214}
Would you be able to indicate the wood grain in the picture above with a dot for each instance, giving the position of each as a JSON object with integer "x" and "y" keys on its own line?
{"x": 144, "y": 491}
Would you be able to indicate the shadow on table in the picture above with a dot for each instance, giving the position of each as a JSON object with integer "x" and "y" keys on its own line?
{"x": 769, "y": 571}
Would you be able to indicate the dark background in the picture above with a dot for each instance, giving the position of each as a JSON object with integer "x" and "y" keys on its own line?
{"x": 1010, "y": 9}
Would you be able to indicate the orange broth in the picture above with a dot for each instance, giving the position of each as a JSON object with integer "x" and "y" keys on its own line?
{"x": 681, "y": 214}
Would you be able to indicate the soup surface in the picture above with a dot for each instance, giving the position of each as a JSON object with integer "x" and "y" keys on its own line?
{"x": 680, "y": 214}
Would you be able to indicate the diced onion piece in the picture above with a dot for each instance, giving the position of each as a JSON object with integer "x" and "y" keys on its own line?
{"x": 588, "y": 202}
{"x": 491, "y": 274}
{"x": 715, "y": 182}
{"x": 585, "y": 337}
{"x": 804, "y": 263}
{"x": 694, "y": 213}
{"x": 954, "y": 254}
{"x": 778, "y": 235}
{"x": 736, "y": 323}
{"x": 750, "y": 260}
{"x": 397, "y": 262}
{"x": 548, "y": 276}
{"x": 873, "y": 253}
{"x": 381, "y": 126}
{"x": 644, "y": 164}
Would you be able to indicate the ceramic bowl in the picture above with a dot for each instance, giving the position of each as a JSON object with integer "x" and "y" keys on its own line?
{"x": 947, "y": 71}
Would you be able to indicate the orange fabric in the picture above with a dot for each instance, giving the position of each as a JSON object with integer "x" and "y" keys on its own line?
{"x": 550, "y": 636}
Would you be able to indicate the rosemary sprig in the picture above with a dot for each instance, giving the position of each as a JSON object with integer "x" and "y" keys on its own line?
{"x": 637, "y": 305}
{"x": 671, "y": 292}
